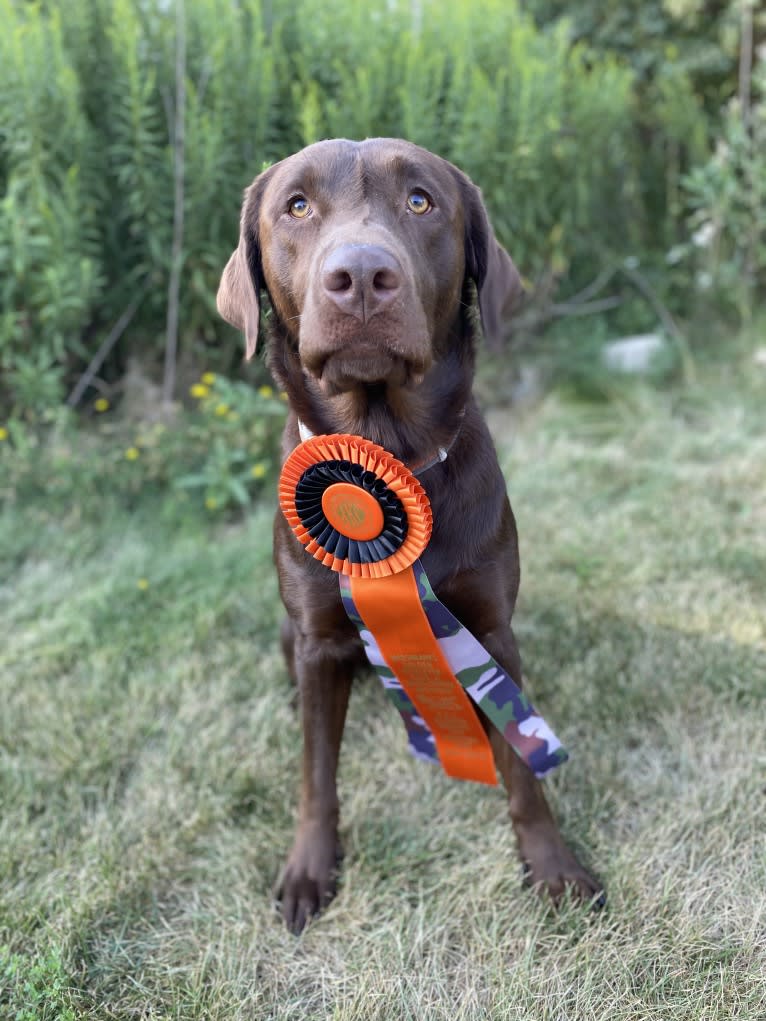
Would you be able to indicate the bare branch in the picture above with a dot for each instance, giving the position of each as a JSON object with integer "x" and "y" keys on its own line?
{"x": 642, "y": 285}
{"x": 109, "y": 341}
{"x": 586, "y": 308}
{"x": 594, "y": 287}
{"x": 174, "y": 284}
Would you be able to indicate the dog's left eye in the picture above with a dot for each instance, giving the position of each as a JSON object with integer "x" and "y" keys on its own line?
{"x": 299, "y": 207}
{"x": 418, "y": 202}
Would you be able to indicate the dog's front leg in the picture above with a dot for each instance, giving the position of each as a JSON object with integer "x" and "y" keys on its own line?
{"x": 549, "y": 864}
{"x": 308, "y": 881}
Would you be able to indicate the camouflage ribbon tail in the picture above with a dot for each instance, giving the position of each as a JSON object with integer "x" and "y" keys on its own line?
{"x": 484, "y": 680}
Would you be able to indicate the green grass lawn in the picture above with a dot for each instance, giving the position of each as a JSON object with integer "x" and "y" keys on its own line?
{"x": 149, "y": 755}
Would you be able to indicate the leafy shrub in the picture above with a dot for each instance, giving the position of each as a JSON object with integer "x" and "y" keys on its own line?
{"x": 235, "y": 434}
{"x": 215, "y": 458}
{"x": 579, "y": 132}
{"x": 728, "y": 198}
{"x": 683, "y": 55}
{"x": 50, "y": 269}
{"x": 87, "y": 224}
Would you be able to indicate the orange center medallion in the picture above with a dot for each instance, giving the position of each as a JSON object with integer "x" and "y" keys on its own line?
{"x": 353, "y": 511}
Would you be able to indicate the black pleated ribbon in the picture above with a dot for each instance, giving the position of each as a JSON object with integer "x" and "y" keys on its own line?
{"x": 308, "y": 503}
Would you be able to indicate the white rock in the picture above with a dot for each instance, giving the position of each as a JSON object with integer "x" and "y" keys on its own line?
{"x": 633, "y": 354}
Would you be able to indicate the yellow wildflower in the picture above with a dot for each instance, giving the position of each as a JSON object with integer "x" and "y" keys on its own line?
{"x": 258, "y": 470}
{"x": 3, "y": 433}
{"x": 132, "y": 453}
{"x": 221, "y": 409}
{"x": 208, "y": 378}
{"x": 211, "y": 503}
{"x": 101, "y": 404}
{"x": 199, "y": 390}
{"x": 143, "y": 584}
{"x": 265, "y": 391}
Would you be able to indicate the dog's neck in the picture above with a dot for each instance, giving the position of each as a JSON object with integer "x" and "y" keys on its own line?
{"x": 412, "y": 422}
{"x": 435, "y": 456}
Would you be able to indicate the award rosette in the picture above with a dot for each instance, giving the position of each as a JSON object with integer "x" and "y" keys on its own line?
{"x": 363, "y": 514}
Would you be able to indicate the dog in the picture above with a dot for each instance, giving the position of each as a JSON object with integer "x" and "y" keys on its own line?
{"x": 374, "y": 256}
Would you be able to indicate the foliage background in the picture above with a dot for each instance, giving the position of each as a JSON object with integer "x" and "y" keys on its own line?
{"x": 580, "y": 125}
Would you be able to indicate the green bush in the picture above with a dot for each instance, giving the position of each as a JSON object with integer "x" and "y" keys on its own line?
{"x": 728, "y": 197}
{"x": 51, "y": 270}
{"x": 233, "y": 440}
{"x": 88, "y": 223}
{"x": 580, "y": 159}
{"x": 213, "y": 459}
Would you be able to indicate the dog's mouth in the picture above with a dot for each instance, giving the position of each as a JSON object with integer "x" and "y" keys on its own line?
{"x": 363, "y": 367}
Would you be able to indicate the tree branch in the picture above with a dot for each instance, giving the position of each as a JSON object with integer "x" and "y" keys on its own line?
{"x": 642, "y": 285}
{"x": 174, "y": 284}
{"x": 111, "y": 339}
{"x": 586, "y": 308}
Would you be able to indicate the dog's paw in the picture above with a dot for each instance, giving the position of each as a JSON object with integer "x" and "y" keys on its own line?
{"x": 552, "y": 869}
{"x": 309, "y": 880}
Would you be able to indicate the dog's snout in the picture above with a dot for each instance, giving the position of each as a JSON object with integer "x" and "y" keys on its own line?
{"x": 361, "y": 279}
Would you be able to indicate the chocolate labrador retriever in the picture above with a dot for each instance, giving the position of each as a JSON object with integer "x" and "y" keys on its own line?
{"x": 373, "y": 255}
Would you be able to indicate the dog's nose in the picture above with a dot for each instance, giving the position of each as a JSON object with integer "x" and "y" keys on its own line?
{"x": 361, "y": 279}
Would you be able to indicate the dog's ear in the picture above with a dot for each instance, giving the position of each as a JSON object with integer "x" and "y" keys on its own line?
{"x": 238, "y": 298}
{"x": 490, "y": 267}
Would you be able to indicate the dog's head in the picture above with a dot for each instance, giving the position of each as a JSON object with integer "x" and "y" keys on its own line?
{"x": 365, "y": 249}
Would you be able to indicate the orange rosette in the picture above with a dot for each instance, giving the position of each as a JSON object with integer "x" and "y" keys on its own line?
{"x": 354, "y": 506}
{"x": 361, "y": 512}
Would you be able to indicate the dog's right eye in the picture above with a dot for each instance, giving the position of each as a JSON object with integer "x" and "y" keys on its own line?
{"x": 299, "y": 207}
{"x": 418, "y": 202}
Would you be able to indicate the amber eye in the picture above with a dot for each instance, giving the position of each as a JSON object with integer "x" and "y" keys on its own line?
{"x": 418, "y": 203}
{"x": 299, "y": 207}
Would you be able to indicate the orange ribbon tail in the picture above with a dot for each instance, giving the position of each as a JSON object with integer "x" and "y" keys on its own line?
{"x": 391, "y": 609}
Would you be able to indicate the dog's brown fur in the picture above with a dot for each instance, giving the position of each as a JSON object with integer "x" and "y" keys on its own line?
{"x": 372, "y": 333}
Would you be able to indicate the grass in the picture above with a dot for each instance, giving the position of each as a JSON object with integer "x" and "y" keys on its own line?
{"x": 149, "y": 755}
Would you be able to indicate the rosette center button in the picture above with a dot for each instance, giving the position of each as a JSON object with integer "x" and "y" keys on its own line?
{"x": 353, "y": 511}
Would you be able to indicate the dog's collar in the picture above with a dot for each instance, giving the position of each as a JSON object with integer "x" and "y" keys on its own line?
{"x": 434, "y": 457}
